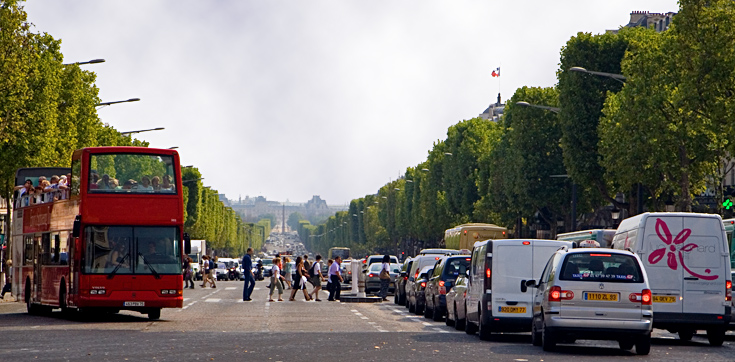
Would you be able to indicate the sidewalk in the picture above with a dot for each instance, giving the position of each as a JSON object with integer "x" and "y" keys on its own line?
{"x": 9, "y": 298}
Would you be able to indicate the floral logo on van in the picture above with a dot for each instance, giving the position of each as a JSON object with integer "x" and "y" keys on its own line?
{"x": 674, "y": 249}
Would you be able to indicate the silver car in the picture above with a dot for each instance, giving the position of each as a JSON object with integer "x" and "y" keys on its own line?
{"x": 593, "y": 293}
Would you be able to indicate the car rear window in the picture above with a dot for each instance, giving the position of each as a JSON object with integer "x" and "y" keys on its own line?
{"x": 451, "y": 269}
{"x": 597, "y": 267}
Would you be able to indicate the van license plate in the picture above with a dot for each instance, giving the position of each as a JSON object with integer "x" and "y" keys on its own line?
{"x": 606, "y": 297}
{"x": 134, "y": 304}
{"x": 512, "y": 309}
{"x": 664, "y": 299}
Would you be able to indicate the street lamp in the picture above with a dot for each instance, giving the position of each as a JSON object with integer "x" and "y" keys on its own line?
{"x": 546, "y": 108}
{"x": 619, "y": 77}
{"x": 93, "y": 61}
{"x": 448, "y": 154}
{"x": 142, "y": 130}
{"x": 409, "y": 181}
{"x": 425, "y": 169}
{"x": 116, "y": 102}
{"x": 173, "y": 148}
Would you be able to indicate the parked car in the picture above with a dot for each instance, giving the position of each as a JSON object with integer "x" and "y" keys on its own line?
{"x": 456, "y": 313}
{"x": 372, "y": 281}
{"x": 441, "y": 281}
{"x": 687, "y": 258}
{"x": 418, "y": 263}
{"x": 400, "y": 293}
{"x": 416, "y": 294}
{"x": 497, "y": 299}
{"x": 593, "y": 293}
{"x": 346, "y": 270}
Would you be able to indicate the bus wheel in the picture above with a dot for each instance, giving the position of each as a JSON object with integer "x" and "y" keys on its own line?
{"x": 32, "y": 308}
{"x": 154, "y": 314}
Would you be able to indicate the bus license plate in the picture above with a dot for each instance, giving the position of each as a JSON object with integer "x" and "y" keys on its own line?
{"x": 664, "y": 299}
{"x": 605, "y": 297}
{"x": 512, "y": 309}
{"x": 134, "y": 304}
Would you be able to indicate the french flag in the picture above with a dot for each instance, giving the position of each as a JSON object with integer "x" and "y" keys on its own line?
{"x": 496, "y": 72}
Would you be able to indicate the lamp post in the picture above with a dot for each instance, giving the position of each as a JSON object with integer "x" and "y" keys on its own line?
{"x": 618, "y": 77}
{"x": 142, "y": 130}
{"x": 546, "y": 108}
{"x": 102, "y": 104}
{"x": 93, "y": 61}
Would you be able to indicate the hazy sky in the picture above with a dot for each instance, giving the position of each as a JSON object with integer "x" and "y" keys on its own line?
{"x": 289, "y": 99}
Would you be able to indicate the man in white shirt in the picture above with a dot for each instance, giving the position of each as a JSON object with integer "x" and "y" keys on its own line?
{"x": 336, "y": 280}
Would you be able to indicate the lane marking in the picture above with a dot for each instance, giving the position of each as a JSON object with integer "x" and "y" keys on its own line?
{"x": 187, "y": 306}
{"x": 213, "y": 300}
{"x": 230, "y": 288}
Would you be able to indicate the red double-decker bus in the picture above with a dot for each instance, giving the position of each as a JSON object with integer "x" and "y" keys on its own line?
{"x": 112, "y": 239}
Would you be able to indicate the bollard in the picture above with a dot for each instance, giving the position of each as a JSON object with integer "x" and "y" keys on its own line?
{"x": 358, "y": 279}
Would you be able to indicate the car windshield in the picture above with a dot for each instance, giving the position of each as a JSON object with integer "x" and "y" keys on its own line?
{"x": 131, "y": 173}
{"x": 267, "y": 262}
{"x": 451, "y": 269}
{"x": 601, "y": 266}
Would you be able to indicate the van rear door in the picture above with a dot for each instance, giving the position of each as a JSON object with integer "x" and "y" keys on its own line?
{"x": 512, "y": 264}
{"x": 703, "y": 260}
{"x": 664, "y": 277}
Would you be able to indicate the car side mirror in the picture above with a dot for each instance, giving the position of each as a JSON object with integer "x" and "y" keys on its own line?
{"x": 529, "y": 283}
{"x": 77, "y": 228}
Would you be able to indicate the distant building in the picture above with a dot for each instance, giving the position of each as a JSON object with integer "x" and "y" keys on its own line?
{"x": 494, "y": 111}
{"x": 658, "y": 21}
{"x": 316, "y": 209}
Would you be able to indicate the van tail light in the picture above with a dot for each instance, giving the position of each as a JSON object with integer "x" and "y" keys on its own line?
{"x": 417, "y": 275}
{"x": 728, "y": 290}
{"x": 644, "y": 297}
{"x": 557, "y": 295}
{"x": 488, "y": 272}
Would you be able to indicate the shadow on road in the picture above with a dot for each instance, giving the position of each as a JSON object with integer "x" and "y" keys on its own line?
{"x": 70, "y": 318}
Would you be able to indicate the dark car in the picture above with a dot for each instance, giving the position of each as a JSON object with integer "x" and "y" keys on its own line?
{"x": 400, "y": 294}
{"x": 418, "y": 263}
{"x": 416, "y": 301}
{"x": 441, "y": 281}
{"x": 456, "y": 313}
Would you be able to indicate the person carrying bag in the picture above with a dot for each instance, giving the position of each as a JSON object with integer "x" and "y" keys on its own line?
{"x": 384, "y": 277}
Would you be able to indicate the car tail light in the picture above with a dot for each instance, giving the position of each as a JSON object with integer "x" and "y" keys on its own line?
{"x": 371, "y": 275}
{"x": 644, "y": 297}
{"x": 557, "y": 295}
{"x": 441, "y": 283}
{"x": 728, "y": 290}
{"x": 405, "y": 278}
{"x": 423, "y": 284}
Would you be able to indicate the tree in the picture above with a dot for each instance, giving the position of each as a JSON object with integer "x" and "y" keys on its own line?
{"x": 581, "y": 98}
{"x": 293, "y": 220}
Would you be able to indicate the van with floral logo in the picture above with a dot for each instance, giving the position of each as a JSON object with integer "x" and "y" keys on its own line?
{"x": 688, "y": 262}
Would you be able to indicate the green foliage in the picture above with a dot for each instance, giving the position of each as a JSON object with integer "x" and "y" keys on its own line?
{"x": 293, "y": 220}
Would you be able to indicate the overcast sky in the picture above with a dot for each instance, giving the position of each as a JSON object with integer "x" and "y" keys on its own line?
{"x": 289, "y": 99}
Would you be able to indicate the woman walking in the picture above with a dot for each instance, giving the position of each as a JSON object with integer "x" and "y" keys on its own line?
{"x": 276, "y": 278}
{"x": 188, "y": 274}
{"x": 316, "y": 278}
{"x": 287, "y": 270}
{"x": 299, "y": 283}
{"x": 384, "y": 277}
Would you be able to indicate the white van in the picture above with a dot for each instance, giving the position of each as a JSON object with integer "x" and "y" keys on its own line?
{"x": 688, "y": 264}
{"x": 497, "y": 297}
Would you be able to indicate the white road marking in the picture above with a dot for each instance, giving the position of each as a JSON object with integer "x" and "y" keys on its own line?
{"x": 364, "y": 318}
{"x": 230, "y": 288}
{"x": 187, "y": 306}
{"x": 427, "y": 324}
{"x": 213, "y": 300}
{"x": 353, "y": 310}
{"x": 185, "y": 299}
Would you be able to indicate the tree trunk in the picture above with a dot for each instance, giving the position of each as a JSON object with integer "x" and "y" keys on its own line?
{"x": 686, "y": 197}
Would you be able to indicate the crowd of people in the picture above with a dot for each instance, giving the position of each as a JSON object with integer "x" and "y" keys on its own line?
{"x": 303, "y": 274}
{"x": 44, "y": 186}
{"x": 146, "y": 184}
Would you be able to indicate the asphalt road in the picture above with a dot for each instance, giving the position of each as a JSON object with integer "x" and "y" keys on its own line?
{"x": 215, "y": 324}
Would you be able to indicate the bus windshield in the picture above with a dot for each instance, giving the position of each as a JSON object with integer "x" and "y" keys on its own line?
{"x": 131, "y": 173}
{"x": 131, "y": 250}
